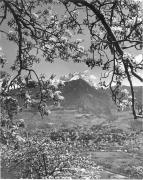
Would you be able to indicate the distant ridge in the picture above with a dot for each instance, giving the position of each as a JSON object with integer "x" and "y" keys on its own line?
{"x": 82, "y": 93}
{"x": 89, "y": 78}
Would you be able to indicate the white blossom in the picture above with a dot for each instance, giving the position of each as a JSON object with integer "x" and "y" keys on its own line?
{"x": 117, "y": 29}
{"x": 48, "y": 46}
{"x": 52, "y": 17}
{"x": 61, "y": 98}
{"x": 19, "y": 138}
{"x": 35, "y": 16}
{"x": 114, "y": 20}
{"x": 133, "y": 20}
{"x": 62, "y": 83}
{"x": 54, "y": 82}
{"x": 58, "y": 96}
{"x": 27, "y": 96}
{"x": 81, "y": 48}
{"x": 127, "y": 55}
{"x": 57, "y": 92}
{"x": 128, "y": 30}
{"x": 64, "y": 39}
{"x": 11, "y": 32}
{"x": 138, "y": 59}
{"x": 53, "y": 39}
{"x": 65, "y": 16}
{"x": 44, "y": 27}
{"x": 29, "y": 101}
{"x": 129, "y": 97}
{"x": 51, "y": 94}
{"x": 79, "y": 40}
{"x": 121, "y": 68}
{"x": 68, "y": 33}
{"x": 43, "y": 91}
{"x": 56, "y": 25}
{"x": 125, "y": 91}
{"x": 139, "y": 20}
{"x": 75, "y": 12}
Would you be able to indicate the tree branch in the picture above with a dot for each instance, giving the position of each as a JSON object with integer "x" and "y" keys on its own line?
{"x": 111, "y": 38}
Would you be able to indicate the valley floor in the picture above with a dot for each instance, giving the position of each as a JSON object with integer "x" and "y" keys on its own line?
{"x": 113, "y": 161}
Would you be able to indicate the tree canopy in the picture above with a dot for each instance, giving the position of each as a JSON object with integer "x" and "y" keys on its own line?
{"x": 115, "y": 28}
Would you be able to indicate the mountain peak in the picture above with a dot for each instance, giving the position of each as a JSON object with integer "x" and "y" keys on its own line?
{"x": 85, "y": 75}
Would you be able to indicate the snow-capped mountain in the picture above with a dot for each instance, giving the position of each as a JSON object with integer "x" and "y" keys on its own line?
{"x": 85, "y": 75}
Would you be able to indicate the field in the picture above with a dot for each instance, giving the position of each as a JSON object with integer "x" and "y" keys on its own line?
{"x": 114, "y": 160}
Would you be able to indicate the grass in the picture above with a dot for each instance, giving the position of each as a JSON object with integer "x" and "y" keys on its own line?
{"x": 68, "y": 118}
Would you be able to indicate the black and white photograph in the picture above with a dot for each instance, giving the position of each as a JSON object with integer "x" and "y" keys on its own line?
{"x": 71, "y": 89}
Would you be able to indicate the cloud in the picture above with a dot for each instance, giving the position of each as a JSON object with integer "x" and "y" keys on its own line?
{"x": 0, "y": 48}
{"x": 92, "y": 77}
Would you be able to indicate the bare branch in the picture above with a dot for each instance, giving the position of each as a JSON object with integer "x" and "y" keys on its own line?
{"x": 4, "y": 16}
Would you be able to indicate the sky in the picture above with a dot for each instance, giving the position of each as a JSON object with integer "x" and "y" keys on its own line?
{"x": 59, "y": 67}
